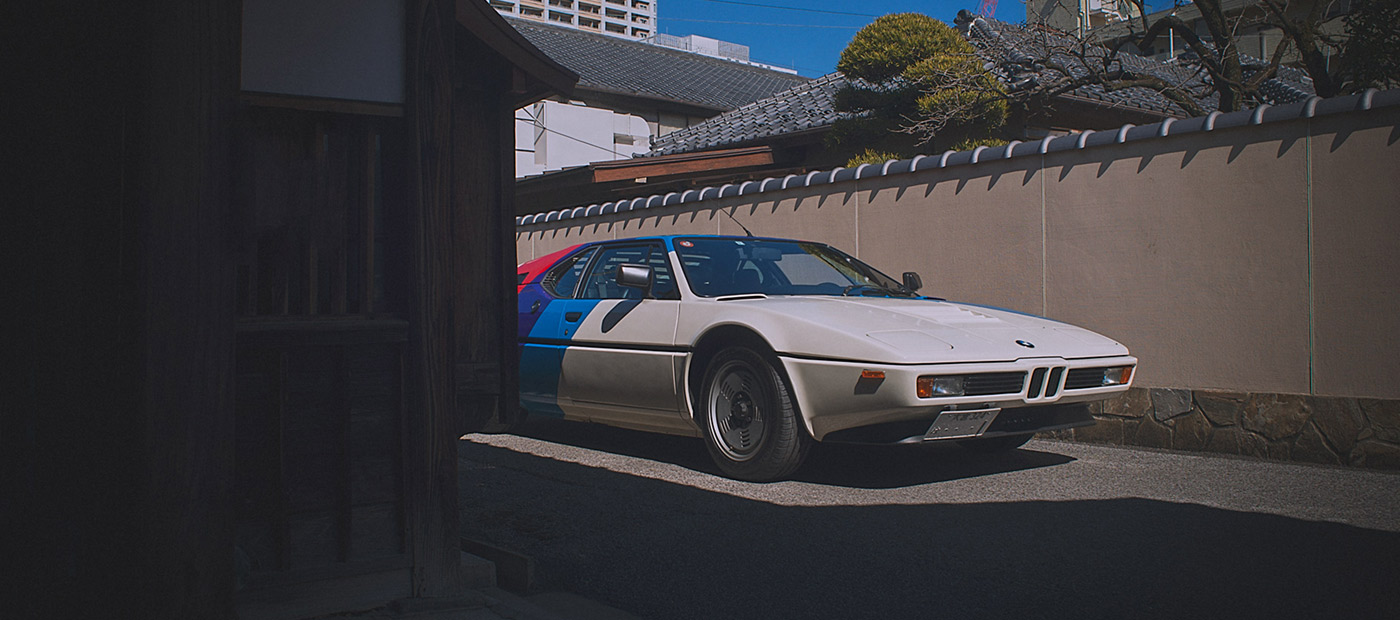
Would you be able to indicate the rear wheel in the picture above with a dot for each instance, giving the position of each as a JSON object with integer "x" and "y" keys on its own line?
{"x": 1004, "y": 443}
{"x": 751, "y": 424}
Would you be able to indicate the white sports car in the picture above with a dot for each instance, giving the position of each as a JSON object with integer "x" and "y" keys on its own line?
{"x": 762, "y": 346}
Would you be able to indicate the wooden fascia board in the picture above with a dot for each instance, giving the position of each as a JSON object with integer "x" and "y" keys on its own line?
{"x": 687, "y": 164}
{"x": 486, "y": 24}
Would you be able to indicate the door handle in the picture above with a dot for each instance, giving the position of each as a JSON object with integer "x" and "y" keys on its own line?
{"x": 535, "y": 307}
{"x": 572, "y": 316}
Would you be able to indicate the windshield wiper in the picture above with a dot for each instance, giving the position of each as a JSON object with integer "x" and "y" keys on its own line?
{"x": 862, "y": 289}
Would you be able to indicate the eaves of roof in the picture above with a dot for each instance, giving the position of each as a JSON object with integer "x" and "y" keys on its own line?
{"x": 545, "y": 75}
{"x": 624, "y": 67}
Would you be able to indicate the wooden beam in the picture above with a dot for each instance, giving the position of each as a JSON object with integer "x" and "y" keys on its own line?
{"x": 647, "y": 168}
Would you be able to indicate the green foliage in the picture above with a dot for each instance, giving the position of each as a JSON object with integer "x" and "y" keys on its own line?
{"x": 914, "y": 74}
{"x": 972, "y": 143}
{"x": 872, "y": 157}
{"x": 883, "y": 50}
{"x": 1371, "y": 55}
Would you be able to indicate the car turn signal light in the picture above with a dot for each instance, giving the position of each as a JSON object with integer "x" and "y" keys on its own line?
{"x": 930, "y": 387}
{"x": 1118, "y": 375}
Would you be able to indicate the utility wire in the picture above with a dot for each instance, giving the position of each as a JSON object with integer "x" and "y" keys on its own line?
{"x": 790, "y": 8}
{"x": 535, "y": 121}
{"x": 716, "y": 21}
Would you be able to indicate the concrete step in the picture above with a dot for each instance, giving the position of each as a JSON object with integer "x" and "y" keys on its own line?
{"x": 568, "y": 606}
{"x": 479, "y": 572}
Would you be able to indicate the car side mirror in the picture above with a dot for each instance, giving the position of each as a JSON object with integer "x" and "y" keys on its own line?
{"x": 912, "y": 281}
{"x": 637, "y": 276}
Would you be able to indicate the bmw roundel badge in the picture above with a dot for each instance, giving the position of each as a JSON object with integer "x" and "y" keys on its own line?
{"x": 1025, "y": 344}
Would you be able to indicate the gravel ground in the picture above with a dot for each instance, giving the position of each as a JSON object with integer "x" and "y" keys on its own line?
{"x": 640, "y": 522}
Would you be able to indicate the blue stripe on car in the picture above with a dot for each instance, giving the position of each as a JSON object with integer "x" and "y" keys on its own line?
{"x": 542, "y": 364}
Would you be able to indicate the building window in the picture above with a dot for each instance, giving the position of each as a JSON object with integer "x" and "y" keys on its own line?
{"x": 588, "y": 23}
{"x": 505, "y": 7}
{"x": 590, "y": 8}
{"x": 561, "y": 17}
{"x": 568, "y": 4}
{"x": 640, "y": 19}
{"x": 531, "y": 11}
{"x": 639, "y": 4}
{"x": 616, "y": 14}
{"x": 618, "y": 28}
{"x": 641, "y": 32}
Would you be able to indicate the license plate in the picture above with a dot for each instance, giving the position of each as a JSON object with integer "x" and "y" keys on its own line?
{"x": 959, "y": 424}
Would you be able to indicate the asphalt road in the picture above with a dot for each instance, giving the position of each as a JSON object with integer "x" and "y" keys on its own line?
{"x": 1055, "y": 530}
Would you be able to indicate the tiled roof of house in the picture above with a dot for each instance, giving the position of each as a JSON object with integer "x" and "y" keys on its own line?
{"x": 805, "y": 106}
{"x": 621, "y": 66}
{"x": 1008, "y": 49}
{"x": 1020, "y": 55}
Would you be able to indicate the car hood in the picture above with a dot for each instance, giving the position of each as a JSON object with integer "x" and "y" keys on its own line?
{"x": 903, "y": 330}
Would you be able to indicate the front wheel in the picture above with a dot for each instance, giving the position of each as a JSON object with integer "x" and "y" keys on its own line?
{"x": 751, "y": 424}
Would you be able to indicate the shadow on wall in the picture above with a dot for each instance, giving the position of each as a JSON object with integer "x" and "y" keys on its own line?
{"x": 667, "y": 551}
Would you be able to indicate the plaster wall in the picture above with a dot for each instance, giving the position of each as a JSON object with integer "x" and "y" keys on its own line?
{"x": 1258, "y": 258}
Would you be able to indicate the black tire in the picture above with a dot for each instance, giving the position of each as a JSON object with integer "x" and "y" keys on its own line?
{"x": 749, "y": 418}
{"x": 1005, "y": 443}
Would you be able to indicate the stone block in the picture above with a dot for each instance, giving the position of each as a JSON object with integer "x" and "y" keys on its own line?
{"x": 1253, "y": 445}
{"x": 1340, "y": 421}
{"x": 1168, "y": 403}
{"x": 1225, "y": 440}
{"x": 1278, "y": 451}
{"x": 1221, "y": 408}
{"x": 1310, "y": 447}
{"x": 1148, "y": 433}
{"x": 1376, "y": 455}
{"x": 1276, "y": 416}
{"x": 1384, "y": 418}
{"x": 1108, "y": 430}
{"x": 1134, "y": 403}
{"x": 1190, "y": 432}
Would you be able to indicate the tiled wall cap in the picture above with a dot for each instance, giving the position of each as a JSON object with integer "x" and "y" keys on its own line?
{"x": 1257, "y": 117}
{"x": 1165, "y": 127}
{"x": 1313, "y": 106}
{"x": 1099, "y": 138}
{"x": 1079, "y": 144}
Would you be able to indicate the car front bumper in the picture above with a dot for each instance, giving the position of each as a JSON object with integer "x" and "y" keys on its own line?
{"x": 838, "y": 398}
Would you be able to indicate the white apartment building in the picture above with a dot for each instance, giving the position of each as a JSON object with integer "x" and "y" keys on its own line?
{"x": 634, "y": 19}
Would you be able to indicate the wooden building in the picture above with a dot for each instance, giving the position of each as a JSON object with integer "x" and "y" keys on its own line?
{"x": 261, "y": 271}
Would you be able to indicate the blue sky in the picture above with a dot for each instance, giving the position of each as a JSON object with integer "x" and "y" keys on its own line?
{"x": 810, "y": 34}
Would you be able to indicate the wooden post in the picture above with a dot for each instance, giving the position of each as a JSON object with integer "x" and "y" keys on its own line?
{"x": 118, "y": 431}
{"x": 431, "y": 461}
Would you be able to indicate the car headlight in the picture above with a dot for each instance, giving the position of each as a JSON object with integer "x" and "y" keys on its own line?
{"x": 1117, "y": 375}
{"x": 930, "y": 387}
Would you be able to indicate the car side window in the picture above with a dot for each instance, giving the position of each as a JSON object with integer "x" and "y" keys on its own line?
{"x": 564, "y": 277}
{"x": 601, "y": 281}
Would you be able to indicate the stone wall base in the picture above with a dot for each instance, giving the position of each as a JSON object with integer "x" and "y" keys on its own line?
{"x": 1357, "y": 432}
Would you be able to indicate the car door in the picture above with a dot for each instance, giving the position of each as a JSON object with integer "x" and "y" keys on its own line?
{"x": 621, "y": 359}
{"x": 542, "y": 339}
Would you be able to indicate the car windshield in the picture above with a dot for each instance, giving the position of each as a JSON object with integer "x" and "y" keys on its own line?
{"x": 716, "y": 267}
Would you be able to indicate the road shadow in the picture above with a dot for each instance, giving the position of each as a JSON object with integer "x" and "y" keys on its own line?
{"x": 666, "y": 551}
{"x": 853, "y": 466}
